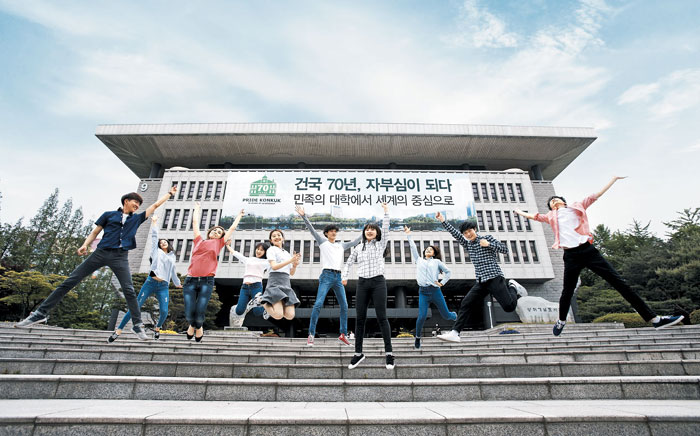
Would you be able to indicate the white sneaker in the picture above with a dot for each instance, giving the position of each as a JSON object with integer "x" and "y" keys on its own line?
{"x": 522, "y": 292}
{"x": 310, "y": 341}
{"x": 237, "y": 321}
{"x": 253, "y": 303}
{"x": 451, "y": 336}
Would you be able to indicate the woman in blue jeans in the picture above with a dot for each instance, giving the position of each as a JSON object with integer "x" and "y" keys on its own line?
{"x": 428, "y": 269}
{"x": 251, "y": 291}
{"x": 199, "y": 283}
{"x": 162, "y": 271}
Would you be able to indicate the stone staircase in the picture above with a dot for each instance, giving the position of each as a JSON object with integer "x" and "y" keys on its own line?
{"x": 600, "y": 379}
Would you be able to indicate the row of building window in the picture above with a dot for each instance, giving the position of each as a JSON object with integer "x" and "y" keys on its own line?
{"x": 497, "y": 220}
{"x": 399, "y": 251}
{"x": 500, "y": 220}
{"x": 202, "y": 190}
{"x": 489, "y": 192}
{"x": 175, "y": 219}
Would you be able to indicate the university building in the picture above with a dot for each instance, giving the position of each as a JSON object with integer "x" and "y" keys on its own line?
{"x": 326, "y": 167}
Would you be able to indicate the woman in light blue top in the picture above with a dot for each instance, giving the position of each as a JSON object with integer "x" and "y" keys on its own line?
{"x": 162, "y": 271}
{"x": 428, "y": 269}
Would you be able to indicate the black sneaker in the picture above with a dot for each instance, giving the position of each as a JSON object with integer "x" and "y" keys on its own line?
{"x": 667, "y": 321}
{"x": 356, "y": 360}
{"x": 389, "y": 361}
{"x": 156, "y": 335}
{"x": 34, "y": 318}
{"x": 558, "y": 327}
{"x": 113, "y": 337}
{"x": 416, "y": 344}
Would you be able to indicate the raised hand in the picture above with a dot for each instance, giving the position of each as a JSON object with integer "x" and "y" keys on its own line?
{"x": 440, "y": 217}
{"x": 197, "y": 206}
{"x": 407, "y": 230}
{"x": 154, "y": 219}
{"x": 172, "y": 191}
{"x": 241, "y": 213}
{"x": 385, "y": 207}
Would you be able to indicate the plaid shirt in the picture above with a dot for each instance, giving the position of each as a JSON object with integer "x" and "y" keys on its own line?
{"x": 369, "y": 256}
{"x": 485, "y": 259}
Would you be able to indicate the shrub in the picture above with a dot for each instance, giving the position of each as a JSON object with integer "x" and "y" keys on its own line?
{"x": 630, "y": 320}
{"x": 695, "y": 316}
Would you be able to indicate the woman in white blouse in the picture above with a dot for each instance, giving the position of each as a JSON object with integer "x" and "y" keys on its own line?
{"x": 251, "y": 290}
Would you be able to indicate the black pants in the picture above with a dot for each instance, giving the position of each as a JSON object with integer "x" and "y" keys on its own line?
{"x": 118, "y": 261}
{"x": 471, "y": 308}
{"x": 587, "y": 256}
{"x": 375, "y": 289}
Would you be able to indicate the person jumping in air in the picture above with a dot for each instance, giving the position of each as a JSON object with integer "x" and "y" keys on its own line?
{"x": 371, "y": 285}
{"x": 119, "y": 237}
{"x": 572, "y": 233}
{"x": 199, "y": 283}
{"x": 483, "y": 251}
{"x": 279, "y": 299}
{"x": 331, "y": 263}
{"x": 251, "y": 291}
{"x": 428, "y": 269}
{"x": 162, "y": 271}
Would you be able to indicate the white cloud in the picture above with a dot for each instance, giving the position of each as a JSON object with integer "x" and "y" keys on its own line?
{"x": 481, "y": 29}
{"x": 670, "y": 95}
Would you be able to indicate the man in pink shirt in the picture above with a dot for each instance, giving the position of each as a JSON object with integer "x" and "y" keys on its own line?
{"x": 573, "y": 234}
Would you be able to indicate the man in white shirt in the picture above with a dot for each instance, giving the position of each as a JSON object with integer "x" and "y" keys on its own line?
{"x": 332, "y": 262}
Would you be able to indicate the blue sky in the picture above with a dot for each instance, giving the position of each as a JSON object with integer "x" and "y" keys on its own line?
{"x": 630, "y": 69}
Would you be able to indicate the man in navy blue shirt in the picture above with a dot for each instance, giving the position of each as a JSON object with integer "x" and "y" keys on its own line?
{"x": 119, "y": 237}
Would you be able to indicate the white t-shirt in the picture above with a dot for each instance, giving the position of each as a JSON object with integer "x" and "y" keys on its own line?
{"x": 279, "y": 255}
{"x": 255, "y": 267}
{"x": 568, "y": 221}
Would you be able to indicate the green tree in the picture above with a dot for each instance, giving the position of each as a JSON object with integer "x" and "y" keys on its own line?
{"x": 26, "y": 289}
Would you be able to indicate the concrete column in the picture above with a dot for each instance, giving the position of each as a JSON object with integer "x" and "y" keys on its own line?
{"x": 400, "y": 297}
{"x": 536, "y": 172}
{"x": 155, "y": 170}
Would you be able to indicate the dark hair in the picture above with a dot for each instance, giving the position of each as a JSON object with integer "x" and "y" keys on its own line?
{"x": 378, "y": 238}
{"x": 436, "y": 252}
{"x": 132, "y": 196}
{"x": 468, "y": 224}
{"x": 264, "y": 245}
{"x": 330, "y": 227}
{"x": 269, "y": 237}
{"x": 552, "y": 198}
{"x": 170, "y": 246}
{"x": 215, "y": 227}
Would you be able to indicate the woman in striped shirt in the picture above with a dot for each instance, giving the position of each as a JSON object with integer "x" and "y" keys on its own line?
{"x": 371, "y": 285}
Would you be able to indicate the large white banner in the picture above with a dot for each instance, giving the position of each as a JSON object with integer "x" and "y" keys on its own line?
{"x": 347, "y": 197}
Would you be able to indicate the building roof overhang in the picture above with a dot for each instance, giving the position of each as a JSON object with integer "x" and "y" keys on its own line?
{"x": 345, "y": 144}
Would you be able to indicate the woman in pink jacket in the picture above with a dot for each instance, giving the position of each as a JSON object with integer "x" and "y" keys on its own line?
{"x": 573, "y": 234}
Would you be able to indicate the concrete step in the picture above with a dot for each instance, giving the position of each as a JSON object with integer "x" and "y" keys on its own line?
{"x": 538, "y": 418}
{"x": 331, "y": 390}
{"x": 372, "y": 368}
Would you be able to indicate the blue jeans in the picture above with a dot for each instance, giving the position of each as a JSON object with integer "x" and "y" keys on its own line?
{"x": 330, "y": 280}
{"x": 426, "y": 295}
{"x": 197, "y": 292}
{"x": 149, "y": 287}
{"x": 247, "y": 293}
{"x": 117, "y": 260}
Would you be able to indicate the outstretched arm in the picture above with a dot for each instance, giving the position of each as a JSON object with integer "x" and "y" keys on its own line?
{"x": 83, "y": 250}
{"x": 154, "y": 236}
{"x": 351, "y": 244}
{"x": 412, "y": 244}
{"x": 195, "y": 220}
{"x": 231, "y": 229}
{"x": 524, "y": 214}
{"x": 455, "y": 234}
{"x": 385, "y": 226}
{"x": 152, "y": 208}
{"x": 319, "y": 238}
{"x": 610, "y": 183}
